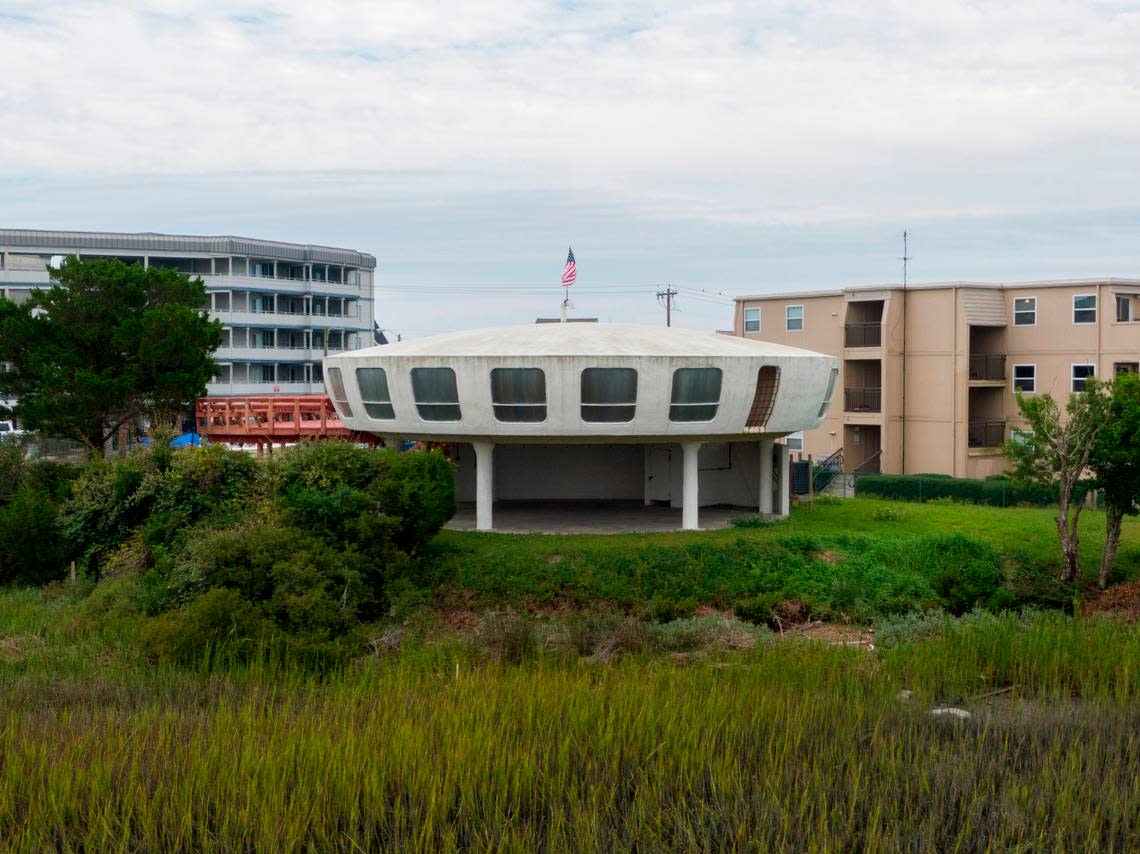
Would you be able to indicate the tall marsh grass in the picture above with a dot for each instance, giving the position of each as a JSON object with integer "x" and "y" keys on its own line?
{"x": 788, "y": 746}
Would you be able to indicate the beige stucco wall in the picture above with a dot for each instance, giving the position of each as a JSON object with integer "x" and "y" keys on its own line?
{"x": 940, "y": 398}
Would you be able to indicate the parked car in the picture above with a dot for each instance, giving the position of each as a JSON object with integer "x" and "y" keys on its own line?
{"x": 9, "y": 430}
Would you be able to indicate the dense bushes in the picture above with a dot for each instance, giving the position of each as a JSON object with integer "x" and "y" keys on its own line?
{"x": 994, "y": 492}
{"x": 231, "y": 554}
{"x": 304, "y": 555}
{"x": 31, "y": 547}
{"x": 790, "y": 577}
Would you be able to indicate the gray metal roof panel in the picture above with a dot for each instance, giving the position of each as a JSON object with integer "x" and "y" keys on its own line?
{"x": 17, "y": 238}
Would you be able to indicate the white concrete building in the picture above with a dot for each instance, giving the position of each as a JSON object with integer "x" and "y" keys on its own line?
{"x": 594, "y": 411}
{"x": 281, "y": 304}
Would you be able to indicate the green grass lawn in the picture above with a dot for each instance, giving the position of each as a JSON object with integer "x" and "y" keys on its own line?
{"x": 860, "y": 558}
{"x": 1029, "y": 531}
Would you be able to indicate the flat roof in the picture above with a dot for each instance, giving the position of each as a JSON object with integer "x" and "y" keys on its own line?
{"x": 148, "y": 241}
{"x": 916, "y": 286}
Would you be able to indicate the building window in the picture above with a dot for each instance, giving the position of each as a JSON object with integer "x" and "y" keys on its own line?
{"x": 436, "y": 394}
{"x": 1025, "y": 378}
{"x": 374, "y": 393}
{"x": 1084, "y": 308}
{"x": 1081, "y": 374}
{"x": 1126, "y": 368}
{"x": 696, "y": 394}
{"x": 1025, "y": 311}
{"x": 609, "y": 394}
{"x": 751, "y": 320}
{"x": 827, "y": 395}
{"x": 794, "y": 318}
{"x": 339, "y": 397}
{"x": 795, "y": 441}
{"x": 1123, "y": 308}
{"x": 518, "y": 394}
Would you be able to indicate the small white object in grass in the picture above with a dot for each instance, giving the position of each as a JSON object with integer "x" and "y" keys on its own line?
{"x": 905, "y": 694}
{"x": 951, "y": 712}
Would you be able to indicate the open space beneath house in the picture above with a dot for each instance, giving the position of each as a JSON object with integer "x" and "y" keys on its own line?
{"x": 590, "y": 517}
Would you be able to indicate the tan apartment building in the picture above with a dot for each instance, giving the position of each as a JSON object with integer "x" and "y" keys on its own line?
{"x": 928, "y": 373}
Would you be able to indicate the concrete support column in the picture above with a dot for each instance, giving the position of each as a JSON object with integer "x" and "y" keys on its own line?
{"x": 690, "y": 497}
{"x": 484, "y": 484}
{"x": 785, "y": 482}
{"x": 766, "y": 477}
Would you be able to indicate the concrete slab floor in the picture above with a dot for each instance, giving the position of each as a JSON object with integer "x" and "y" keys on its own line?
{"x": 590, "y": 517}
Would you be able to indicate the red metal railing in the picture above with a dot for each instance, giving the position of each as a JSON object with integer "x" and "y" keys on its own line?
{"x": 271, "y": 419}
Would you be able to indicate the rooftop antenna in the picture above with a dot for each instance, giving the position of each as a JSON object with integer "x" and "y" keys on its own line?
{"x": 902, "y": 419}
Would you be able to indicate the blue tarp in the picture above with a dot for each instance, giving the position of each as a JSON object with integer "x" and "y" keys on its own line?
{"x": 186, "y": 440}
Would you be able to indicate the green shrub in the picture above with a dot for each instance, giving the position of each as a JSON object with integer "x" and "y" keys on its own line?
{"x": 219, "y": 624}
{"x": 997, "y": 493}
{"x": 966, "y": 572}
{"x": 749, "y": 522}
{"x": 31, "y": 549}
{"x": 303, "y": 585}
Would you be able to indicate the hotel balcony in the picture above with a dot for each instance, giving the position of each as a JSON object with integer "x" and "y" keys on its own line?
{"x": 868, "y": 334}
{"x": 986, "y": 434}
{"x": 862, "y": 399}
{"x": 987, "y": 367}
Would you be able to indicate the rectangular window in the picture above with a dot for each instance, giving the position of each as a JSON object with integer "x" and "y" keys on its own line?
{"x": 795, "y": 441}
{"x": 1025, "y": 311}
{"x": 751, "y": 320}
{"x": 339, "y": 396}
{"x": 1123, "y": 308}
{"x": 794, "y": 318}
{"x": 1081, "y": 374}
{"x": 1025, "y": 378}
{"x": 518, "y": 394}
{"x": 827, "y": 395}
{"x": 1126, "y": 368}
{"x": 374, "y": 393}
{"x": 436, "y": 394}
{"x": 609, "y": 394}
{"x": 696, "y": 394}
{"x": 1084, "y": 308}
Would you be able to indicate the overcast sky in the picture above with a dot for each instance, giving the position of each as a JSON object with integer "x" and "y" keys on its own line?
{"x": 723, "y": 147}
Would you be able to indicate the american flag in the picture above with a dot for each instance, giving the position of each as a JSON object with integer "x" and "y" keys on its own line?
{"x": 570, "y": 271}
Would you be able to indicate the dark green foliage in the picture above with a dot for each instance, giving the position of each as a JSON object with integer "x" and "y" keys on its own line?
{"x": 107, "y": 344}
{"x": 791, "y": 576}
{"x": 31, "y": 550}
{"x": 969, "y": 574}
{"x": 218, "y": 623}
{"x": 996, "y": 493}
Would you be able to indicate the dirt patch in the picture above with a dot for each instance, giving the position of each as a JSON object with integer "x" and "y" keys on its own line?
{"x": 832, "y": 633}
{"x": 17, "y": 647}
{"x": 1120, "y": 600}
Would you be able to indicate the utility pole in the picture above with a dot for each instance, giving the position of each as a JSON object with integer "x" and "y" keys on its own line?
{"x": 902, "y": 444}
{"x": 667, "y": 295}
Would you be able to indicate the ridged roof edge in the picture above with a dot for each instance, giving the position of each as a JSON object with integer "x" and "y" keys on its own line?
{"x": 66, "y": 241}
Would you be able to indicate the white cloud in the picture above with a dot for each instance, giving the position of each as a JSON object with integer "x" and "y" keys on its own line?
{"x": 777, "y": 112}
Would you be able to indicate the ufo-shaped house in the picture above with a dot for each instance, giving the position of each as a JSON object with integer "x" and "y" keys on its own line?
{"x": 593, "y": 411}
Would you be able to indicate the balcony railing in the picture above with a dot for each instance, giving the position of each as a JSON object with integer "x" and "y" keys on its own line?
{"x": 986, "y": 434}
{"x": 987, "y": 366}
{"x": 864, "y": 334}
{"x": 862, "y": 399}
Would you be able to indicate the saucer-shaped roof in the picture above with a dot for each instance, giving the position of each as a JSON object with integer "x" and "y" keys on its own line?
{"x": 583, "y": 339}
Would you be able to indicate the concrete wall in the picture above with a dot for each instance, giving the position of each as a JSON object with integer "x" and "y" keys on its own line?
{"x": 803, "y": 381}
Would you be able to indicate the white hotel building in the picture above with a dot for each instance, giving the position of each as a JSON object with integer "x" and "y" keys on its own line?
{"x": 282, "y": 305}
